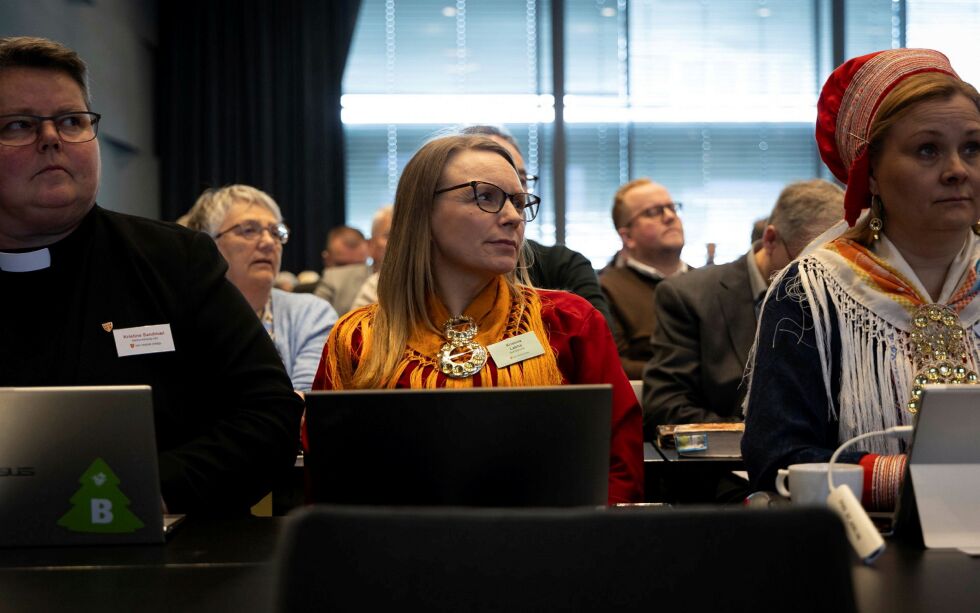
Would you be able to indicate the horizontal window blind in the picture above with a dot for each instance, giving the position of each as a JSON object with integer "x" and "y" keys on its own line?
{"x": 446, "y": 46}
{"x": 716, "y": 99}
{"x": 726, "y": 175}
{"x": 871, "y": 25}
{"x": 377, "y": 154}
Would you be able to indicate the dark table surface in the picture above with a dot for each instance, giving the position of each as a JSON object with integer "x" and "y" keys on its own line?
{"x": 228, "y": 565}
{"x": 206, "y": 565}
{"x": 675, "y": 479}
{"x": 907, "y": 579}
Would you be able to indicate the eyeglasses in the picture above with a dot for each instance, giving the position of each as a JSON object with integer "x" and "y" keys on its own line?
{"x": 656, "y": 211}
{"x": 528, "y": 180}
{"x": 491, "y": 198}
{"x": 253, "y": 230}
{"x": 23, "y": 130}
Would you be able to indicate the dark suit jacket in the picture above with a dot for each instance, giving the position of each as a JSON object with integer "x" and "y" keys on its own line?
{"x": 701, "y": 340}
{"x": 339, "y": 285}
{"x": 227, "y": 420}
{"x": 558, "y": 267}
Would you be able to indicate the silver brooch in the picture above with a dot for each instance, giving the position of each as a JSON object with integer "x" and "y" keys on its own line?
{"x": 461, "y": 357}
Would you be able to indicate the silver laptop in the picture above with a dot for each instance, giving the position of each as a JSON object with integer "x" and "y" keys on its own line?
{"x": 492, "y": 447}
{"x": 78, "y": 466}
{"x": 944, "y": 464}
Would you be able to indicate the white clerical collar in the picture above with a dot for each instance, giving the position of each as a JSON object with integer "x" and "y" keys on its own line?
{"x": 25, "y": 262}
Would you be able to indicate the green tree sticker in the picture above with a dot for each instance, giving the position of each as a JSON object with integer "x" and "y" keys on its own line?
{"x": 99, "y": 505}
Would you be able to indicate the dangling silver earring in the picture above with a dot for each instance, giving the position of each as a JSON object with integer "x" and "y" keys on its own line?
{"x": 875, "y": 224}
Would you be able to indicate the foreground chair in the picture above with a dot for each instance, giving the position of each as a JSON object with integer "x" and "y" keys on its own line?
{"x": 364, "y": 559}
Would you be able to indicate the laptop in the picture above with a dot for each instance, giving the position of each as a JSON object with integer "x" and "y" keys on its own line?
{"x": 485, "y": 447}
{"x": 78, "y": 466}
{"x": 944, "y": 466}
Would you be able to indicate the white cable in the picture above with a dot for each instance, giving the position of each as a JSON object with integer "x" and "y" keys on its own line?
{"x": 860, "y": 530}
{"x": 893, "y": 432}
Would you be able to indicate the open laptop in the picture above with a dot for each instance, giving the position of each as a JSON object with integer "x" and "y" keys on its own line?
{"x": 944, "y": 466}
{"x": 78, "y": 465}
{"x": 496, "y": 447}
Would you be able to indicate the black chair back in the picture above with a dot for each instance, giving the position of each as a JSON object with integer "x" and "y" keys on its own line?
{"x": 363, "y": 559}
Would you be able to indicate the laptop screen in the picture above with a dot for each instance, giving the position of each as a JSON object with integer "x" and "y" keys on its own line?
{"x": 78, "y": 465}
{"x": 497, "y": 447}
{"x": 944, "y": 468}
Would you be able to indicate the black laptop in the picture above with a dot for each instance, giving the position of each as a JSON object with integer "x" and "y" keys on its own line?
{"x": 486, "y": 447}
{"x": 78, "y": 466}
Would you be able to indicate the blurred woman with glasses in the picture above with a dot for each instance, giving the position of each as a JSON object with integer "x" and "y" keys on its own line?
{"x": 247, "y": 226}
{"x": 454, "y": 283}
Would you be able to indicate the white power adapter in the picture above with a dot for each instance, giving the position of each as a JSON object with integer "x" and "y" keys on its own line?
{"x": 861, "y": 531}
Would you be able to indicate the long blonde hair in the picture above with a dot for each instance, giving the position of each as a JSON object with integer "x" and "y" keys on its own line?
{"x": 897, "y": 104}
{"x": 407, "y": 282}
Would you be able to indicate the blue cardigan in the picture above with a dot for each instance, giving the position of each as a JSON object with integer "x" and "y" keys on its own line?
{"x": 301, "y": 323}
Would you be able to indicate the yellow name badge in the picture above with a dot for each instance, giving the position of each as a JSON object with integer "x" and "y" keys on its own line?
{"x": 515, "y": 349}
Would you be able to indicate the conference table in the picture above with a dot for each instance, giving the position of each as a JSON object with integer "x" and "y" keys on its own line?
{"x": 675, "y": 479}
{"x": 205, "y": 565}
{"x": 212, "y": 565}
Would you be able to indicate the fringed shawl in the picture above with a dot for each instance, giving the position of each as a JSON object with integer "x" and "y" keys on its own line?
{"x": 874, "y": 294}
{"x": 498, "y": 315}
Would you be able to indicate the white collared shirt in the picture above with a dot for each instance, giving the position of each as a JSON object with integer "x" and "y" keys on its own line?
{"x": 649, "y": 271}
{"x": 757, "y": 283}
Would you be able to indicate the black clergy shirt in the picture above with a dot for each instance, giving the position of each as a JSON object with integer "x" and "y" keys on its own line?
{"x": 225, "y": 414}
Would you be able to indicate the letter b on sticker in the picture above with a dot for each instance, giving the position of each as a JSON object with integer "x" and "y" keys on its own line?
{"x": 101, "y": 511}
{"x": 99, "y": 505}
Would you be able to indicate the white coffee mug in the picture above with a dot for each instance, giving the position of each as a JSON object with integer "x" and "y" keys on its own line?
{"x": 808, "y": 482}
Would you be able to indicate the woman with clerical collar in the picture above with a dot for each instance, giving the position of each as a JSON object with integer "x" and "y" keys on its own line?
{"x": 453, "y": 287}
{"x": 861, "y": 321}
{"x": 247, "y": 225}
{"x": 78, "y": 278}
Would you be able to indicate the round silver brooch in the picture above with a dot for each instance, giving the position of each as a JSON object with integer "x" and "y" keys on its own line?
{"x": 461, "y": 356}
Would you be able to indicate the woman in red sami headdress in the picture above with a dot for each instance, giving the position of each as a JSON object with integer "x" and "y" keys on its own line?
{"x": 867, "y": 315}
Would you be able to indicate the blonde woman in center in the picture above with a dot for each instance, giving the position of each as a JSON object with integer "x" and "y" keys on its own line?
{"x": 454, "y": 282}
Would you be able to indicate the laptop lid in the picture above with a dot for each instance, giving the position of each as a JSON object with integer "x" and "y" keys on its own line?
{"x": 944, "y": 465}
{"x": 78, "y": 465}
{"x": 513, "y": 447}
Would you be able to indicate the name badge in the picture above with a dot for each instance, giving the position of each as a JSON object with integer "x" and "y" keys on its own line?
{"x": 515, "y": 349}
{"x": 143, "y": 339}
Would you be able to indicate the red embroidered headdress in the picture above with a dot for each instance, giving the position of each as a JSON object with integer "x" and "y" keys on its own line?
{"x": 848, "y": 105}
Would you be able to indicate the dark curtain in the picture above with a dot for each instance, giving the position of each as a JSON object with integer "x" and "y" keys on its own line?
{"x": 249, "y": 92}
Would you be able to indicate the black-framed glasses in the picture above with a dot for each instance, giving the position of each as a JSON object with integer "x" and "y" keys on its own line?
{"x": 656, "y": 211}
{"x": 491, "y": 199}
{"x": 23, "y": 130}
{"x": 253, "y": 230}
